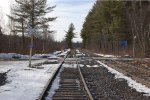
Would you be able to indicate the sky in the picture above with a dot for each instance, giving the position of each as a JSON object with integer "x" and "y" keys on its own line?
{"x": 67, "y": 11}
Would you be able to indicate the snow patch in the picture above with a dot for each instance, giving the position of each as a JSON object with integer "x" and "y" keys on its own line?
{"x": 15, "y": 56}
{"x": 92, "y": 66}
{"x": 77, "y": 51}
{"x": 79, "y": 54}
{"x": 132, "y": 83}
{"x": 54, "y": 87}
{"x": 81, "y": 65}
{"x": 64, "y": 53}
{"x": 57, "y": 52}
{"x": 103, "y": 55}
{"x": 25, "y": 83}
{"x": 69, "y": 66}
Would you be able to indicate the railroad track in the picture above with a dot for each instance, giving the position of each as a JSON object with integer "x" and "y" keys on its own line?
{"x": 139, "y": 73}
{"x": 92, "y": 78}
{"x": 103, "y": 85}
{"x": 71, "y": 85}
{"x": 76, "y": 81}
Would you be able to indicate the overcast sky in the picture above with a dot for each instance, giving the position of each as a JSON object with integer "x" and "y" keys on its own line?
{"x": 67, "y": 11}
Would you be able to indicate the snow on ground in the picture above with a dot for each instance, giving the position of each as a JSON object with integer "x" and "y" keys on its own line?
{"x": 79, "y": 54}
{"x": 81, "y": 65}
{"x": 17, "y": 56}
{"x": 25, "y": 57}
{"x": 92, "y": 66}
{"x": 54, "y": 87}
{"x": 11, "y": 55}
{"x": 132, "y": 83}
{"x": 24, "y": 83}
{"x": 35, "y": 56}
{"x": 56, "y": 82}
{"x": 103, "y": 55}
{"x": 53, "y": 57}
{"x": 77, "y": 51}
{"x": 57, "y": 52}
{"x": 63, "y": 54}
{"x": 69, "y": 66}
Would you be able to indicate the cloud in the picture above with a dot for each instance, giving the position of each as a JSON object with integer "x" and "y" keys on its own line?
{"x": 69, "y": 11}
{"x": 72, "y": 2}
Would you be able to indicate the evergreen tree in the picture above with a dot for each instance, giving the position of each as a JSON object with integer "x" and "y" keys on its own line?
{"x": 104, "y": 26}
{"x": 70, "y": 35}
{"x": 110, "y": 22}
{"x": 17, "y": 21}
{"x": 33, "y": 13}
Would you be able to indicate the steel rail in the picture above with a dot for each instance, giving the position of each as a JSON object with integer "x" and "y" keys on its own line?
{"x": 84, "y": 83}
{"x": 42, "y": 95}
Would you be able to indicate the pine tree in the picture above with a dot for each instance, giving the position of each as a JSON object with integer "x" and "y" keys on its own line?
{"x": 70, "y": 35}
{"x": 104, "y": 26}
{"x": 33, "y": 13}
{"x": 18, "y": 22}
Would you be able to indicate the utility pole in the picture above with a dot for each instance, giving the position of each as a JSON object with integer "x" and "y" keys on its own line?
{"x": 31, "y": 32}
{"x": 31, "y": 47}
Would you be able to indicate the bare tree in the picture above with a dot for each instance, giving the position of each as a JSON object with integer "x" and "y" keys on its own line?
{"x": 139, "y": 18}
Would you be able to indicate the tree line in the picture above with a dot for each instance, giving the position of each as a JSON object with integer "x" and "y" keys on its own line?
{"x": 13, "y": 44}
{"x": 118, "y": 27}
{"x": 29, "y": 23}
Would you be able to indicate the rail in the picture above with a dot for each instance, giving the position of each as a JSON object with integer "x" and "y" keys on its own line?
{"x": 42, "y": 95}
{"x": 84, "y": 83}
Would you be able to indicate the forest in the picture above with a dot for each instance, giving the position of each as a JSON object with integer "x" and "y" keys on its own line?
{"x": 112, "y": 27}
{"x": 25, "y": 16}
{"x": 118, "y": 27}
